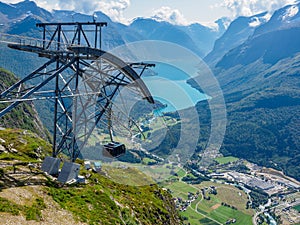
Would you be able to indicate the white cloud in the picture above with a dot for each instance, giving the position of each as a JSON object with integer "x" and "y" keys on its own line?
{"x": 11, "y": 1}
{"x": 252, "y": 7}
{"x": 173, "y": 16}
{"x": 113, "y": 8}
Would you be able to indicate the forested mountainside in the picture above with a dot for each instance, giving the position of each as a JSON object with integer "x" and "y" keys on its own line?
{"x": 260, "y": 79}
{"x": 24, "y": 116}
{"x": 263, "y": 119}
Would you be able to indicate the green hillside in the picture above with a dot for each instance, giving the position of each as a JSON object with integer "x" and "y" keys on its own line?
{"x": 24, "y": 116}
{"x": 99, "y": 201}
{"x": 263, "y": 108}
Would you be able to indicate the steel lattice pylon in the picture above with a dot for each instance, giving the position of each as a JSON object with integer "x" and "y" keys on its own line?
{"x": 75, "y": 62}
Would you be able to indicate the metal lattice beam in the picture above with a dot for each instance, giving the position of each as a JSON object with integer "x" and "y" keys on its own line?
{"x": 83, "y": 80}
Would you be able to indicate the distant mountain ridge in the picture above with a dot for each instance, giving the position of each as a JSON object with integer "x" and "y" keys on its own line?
{"x": 19, "y": 19}
{"x": 260, "y": 82}
{"x": 286, "y": 17}
{"x": 20, "y": 9}
{"x": 271, "y": 41}
{"x": 237, "y": 33}
{"x": 195, "y": 37}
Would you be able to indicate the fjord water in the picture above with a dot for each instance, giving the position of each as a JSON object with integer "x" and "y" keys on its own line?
{"x": 169, "y": 86}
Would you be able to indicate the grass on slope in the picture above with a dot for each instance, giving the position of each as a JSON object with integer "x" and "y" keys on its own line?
{"x": 32, "y": 212}
{"x": 29, "y": 146}
{"x": 106, "y": 202}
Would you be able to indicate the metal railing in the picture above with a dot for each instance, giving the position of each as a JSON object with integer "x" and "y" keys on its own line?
{"x": 33, "y": 42}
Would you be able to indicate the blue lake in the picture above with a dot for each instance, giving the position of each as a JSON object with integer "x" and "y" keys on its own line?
{"x": 169, "y": 86}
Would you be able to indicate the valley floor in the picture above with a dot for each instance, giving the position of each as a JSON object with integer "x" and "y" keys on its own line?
{"x": 229, "y": 197}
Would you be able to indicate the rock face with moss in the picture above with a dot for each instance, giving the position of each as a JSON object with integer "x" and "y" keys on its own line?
{"x": 24, "y": 116}
{"x": 28, "y": 194}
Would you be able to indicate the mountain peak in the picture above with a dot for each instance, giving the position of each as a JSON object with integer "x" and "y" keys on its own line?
{"x": 286, "y": 17}
{"x": 26, "y": 4}
{"x": 149, "y": 20}
{"x": 22, "y": 9}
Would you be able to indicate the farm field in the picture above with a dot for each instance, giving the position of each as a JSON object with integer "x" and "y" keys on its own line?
{"x": 224, "y": 160}
{"x": 181, "y": 189}
{"x": 228, "y": 203}
{"x": 297, "y": 208}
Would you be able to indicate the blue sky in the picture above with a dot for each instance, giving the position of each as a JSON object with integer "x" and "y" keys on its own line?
{"x": 175, "y": 11}
{"x": 191, "y": 10}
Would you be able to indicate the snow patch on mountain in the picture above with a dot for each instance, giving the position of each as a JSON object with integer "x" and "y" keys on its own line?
{"x": 290, "y": 12}
{"x": 256, "y": 21}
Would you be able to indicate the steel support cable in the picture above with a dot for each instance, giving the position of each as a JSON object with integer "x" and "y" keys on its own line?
{"x": 120, "y": 110}
{"x": 48, "y": 97}
{"x": 90, "y": 131}
{"x": 98, "y": 119}
{"x": 112, "y": 103}
{"x": 125, "y": 68}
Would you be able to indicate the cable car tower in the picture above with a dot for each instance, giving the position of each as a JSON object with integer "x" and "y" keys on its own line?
{"x": 74, "y": 61}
